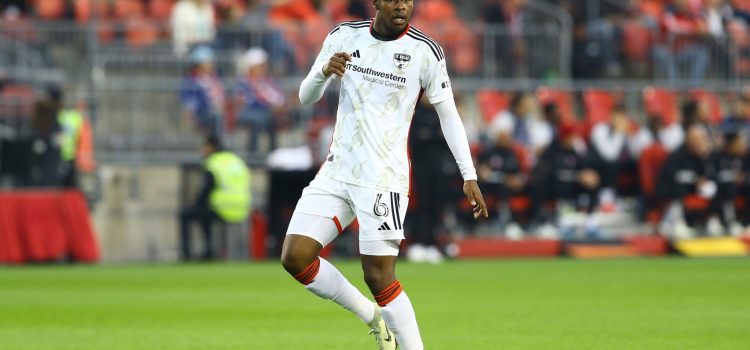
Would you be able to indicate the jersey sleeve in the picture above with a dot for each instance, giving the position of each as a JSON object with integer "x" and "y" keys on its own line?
{"x": 314, "y": 85}
{"x": 330, "y": 47}
{"x": 434, "y": 79}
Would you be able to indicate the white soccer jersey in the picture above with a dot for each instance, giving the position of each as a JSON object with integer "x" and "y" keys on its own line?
{"x": 379, "y": 92}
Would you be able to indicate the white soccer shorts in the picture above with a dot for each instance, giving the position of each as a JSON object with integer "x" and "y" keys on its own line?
{"x": 380, "y": 215}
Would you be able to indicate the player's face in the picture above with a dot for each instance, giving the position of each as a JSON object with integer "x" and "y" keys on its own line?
{"x": 394, "y": 14}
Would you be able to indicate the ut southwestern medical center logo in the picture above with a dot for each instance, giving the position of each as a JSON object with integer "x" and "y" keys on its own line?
{"x": 401, "y": 60}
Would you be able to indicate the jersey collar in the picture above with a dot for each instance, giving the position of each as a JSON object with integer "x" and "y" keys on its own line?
{"x": 377, "y": 36}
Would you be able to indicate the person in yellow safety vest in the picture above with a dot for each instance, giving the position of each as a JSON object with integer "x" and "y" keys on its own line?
{"x": 225, "y": 196}
{"x": 76, "y": 140}
{"x": 71, "y": 124}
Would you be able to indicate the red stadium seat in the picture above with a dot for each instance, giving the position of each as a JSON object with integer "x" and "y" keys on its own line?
{"x": 141, "y": 32}
{"x": 85, "y": 10}
{"x": 598, "y": 105}
{"x": 713, "y": 102}
{"x": 49, "y": 9}
{"x": 129, "y": 9}
{"x": 491, "y": 102}
{"x": 662, "y": 102}
{"x": 160, "y": 9}
{"x": 563, "y": 99}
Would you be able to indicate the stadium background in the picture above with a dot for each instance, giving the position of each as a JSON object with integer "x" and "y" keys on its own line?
{"x": 117, "y": 63}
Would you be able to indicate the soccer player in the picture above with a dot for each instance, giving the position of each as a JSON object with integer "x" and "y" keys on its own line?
{"x": 384, "y": 66}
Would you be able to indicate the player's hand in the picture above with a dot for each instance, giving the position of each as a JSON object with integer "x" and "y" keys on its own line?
{"x": 474, "y": 195}
{"x": 337, "y": 64}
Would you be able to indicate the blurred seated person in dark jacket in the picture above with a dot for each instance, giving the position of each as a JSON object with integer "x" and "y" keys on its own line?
{"x": 731, "y": 179}
{"x": 519, "y": 120}
{"x": 740, "y": 118}
{"x": 224, "y": 196}
{"x": 501, "y": 173}
{"x": 45, "y": 158}
{"x": 566, "y": 175}
{"x": 697, "y": 112}
{"x": 613, "y": 144}
{"x": 430, "y": 157}
{"x": 259, "y": 98}
{"x": 670, "y": 136}
{"x": 688, "y": 179}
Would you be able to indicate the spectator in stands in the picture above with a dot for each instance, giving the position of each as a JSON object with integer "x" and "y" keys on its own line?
{"x": 614, "y": 151}
{"x": 224, "y": 197}
{"x": 655, "y": 131}
{"x": 566, "y": 175}
{"x": 688, "y": 179}
{"x": 740, "y": 119}
{"x": 192, "y": 23}
{"x": 730, "y": 178}
{"x": 202, "y": 94}
{"x": 698, "y": 112}
{"x": 683, "y": 32}
{"x": 510, "y": 48}
{"x": 519, "y": 121}
{"x": 429, "y": 156}
{"x": 259, "y": 98}
{"x": 501, "y": 174}
{"x": 281, "y": 53}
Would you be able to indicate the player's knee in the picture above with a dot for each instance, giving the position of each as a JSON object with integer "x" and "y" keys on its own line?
{"x": 378, "y": 278}
{"x": 294, "y": 261}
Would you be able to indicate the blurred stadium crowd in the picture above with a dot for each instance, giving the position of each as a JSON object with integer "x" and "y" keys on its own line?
{"x": 578, "y": 110}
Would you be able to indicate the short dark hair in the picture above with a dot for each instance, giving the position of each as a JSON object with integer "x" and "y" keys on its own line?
{"x": 214, "y": 141}
{"x": 516, "y": 99}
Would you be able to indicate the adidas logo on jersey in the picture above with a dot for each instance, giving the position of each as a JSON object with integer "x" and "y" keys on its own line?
{"x": 355, "y": 54}
{"x": 384, "y": 227}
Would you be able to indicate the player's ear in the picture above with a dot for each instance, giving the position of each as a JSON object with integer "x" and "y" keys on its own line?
{"x": 376, "y": 3}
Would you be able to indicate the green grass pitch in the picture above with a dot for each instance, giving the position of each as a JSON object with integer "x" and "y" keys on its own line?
{"x": 522, "y": 304}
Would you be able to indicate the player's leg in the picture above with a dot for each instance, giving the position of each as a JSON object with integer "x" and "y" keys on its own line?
{"x": 395, "y": 306}
{"x": 380, "y": 216}
{"x": 309, "y": 231}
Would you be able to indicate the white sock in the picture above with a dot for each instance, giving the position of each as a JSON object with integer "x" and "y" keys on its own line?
{"x": 330, "y": 284}
{"x": 400, "y": 318}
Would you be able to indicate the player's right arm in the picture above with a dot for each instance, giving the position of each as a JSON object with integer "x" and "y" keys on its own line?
{"x": 328, "y": 63}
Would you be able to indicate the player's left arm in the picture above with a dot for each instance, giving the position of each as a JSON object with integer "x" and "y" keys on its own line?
{"x": 437, "y": 88}
{"x": 455, "y": 136}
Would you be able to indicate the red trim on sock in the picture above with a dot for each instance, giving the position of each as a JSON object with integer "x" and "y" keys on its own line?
{"x": 389, "y": 293}
{"x": 308, "y": 275}
{"x": 338, "y": 224}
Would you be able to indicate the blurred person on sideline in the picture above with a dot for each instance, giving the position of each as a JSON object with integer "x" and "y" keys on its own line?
{"x": 45, "y": 158}
{"x": 655, "y": 131}
{"x": 431, "y": 161}
{"x": 202, "y": 93}
{"x": 682, "y": 44}
{"x": 731, "y": 180}
{"x": 75, "y": 140}
{"x": 259, "y": 98}
{"x": 224, "y": 197}
{"x": 519, "y": 120}
{"x": 566, "y": 174}
{"x": 501, "y": 173}
{"x": 192, "y": 23}
{"x": 688, "y": 180}
{"x": 614, "y": 151}
{"x": 740, "y": 118}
